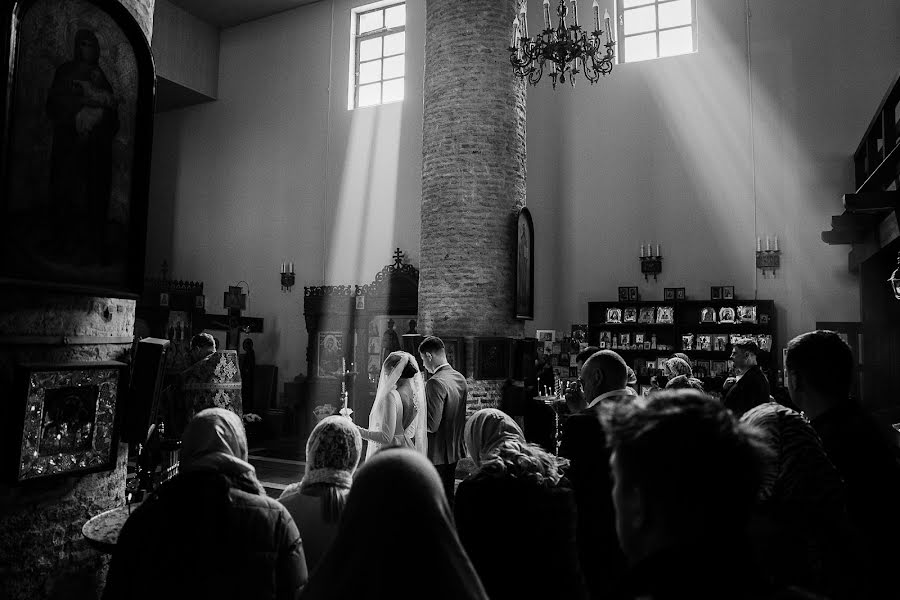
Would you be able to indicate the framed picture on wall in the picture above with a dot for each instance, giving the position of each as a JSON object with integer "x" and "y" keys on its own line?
{"x": 75, "y": 152}
{"x": 524, "y": 265}
{"x": 545, "y": 335}
{"x": 330, "y": 354}
{"x": 64, "y": 422}
{"x": 455, "y": 348}
{"x": 492, "y": 358}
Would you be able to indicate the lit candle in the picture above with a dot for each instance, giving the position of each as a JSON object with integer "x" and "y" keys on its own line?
{"x": 767, "y": 244}
{"x": 776, "y": 243}
{"x": 292, "y": 267}
{"x": 575, "y": 13}
{"x": 524, "y": 19}
{"x": 642, "y": 250}
{"x": 608, "y": 28}
{"x": 547, "y": 14}
{"x": 657, "y": 251}
{"x": 650, "y": 249}
{"x": 282, "y": 267}
{"x": 758, "y": 245}
{"x": 515, "y": 35}
{"x": 595, "y": 8}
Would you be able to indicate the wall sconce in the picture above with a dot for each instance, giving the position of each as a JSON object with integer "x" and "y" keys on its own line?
{"x": 287, "y": 277}
{"x": 650, "y": 264}
{"x": 894, "y": 280}
{"x": 768, "y": 259}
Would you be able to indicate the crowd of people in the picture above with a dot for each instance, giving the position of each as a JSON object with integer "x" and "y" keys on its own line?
{"x": 674, "y": 494}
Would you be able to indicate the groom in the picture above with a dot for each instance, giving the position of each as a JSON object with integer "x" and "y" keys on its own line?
{"x": 445, "y": 393}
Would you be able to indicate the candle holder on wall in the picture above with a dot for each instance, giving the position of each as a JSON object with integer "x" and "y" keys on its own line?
{"x": 651, "y": 265}
{"x": 287, "y": 277}
{"x": 768, "y": 260}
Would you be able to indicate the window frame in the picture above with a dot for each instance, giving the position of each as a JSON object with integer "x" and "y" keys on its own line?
{"x": 382, "y": 32}
{"x": 622, "y": 57}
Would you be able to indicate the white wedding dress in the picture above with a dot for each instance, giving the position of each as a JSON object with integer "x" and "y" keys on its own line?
{"x": 387, "y": 425}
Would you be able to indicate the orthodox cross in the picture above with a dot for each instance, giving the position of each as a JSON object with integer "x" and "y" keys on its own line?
{"x": 233, "y": 323}
{"x": 398, "y": 258}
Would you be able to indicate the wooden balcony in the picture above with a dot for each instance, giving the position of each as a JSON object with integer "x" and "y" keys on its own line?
{"x": 870, "y": 219}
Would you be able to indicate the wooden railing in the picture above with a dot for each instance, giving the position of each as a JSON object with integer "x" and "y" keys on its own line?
{"x": 877, "y": 158}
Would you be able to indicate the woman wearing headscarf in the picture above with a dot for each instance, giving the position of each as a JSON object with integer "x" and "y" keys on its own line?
{"x": 523, "y": 546}
{"x": 317, "y": 502}
{"x": 398, "y": 415}
{"x": 680, "y": 375}
{"x": 210, "y": 532}
{"x": 396, "y": 539}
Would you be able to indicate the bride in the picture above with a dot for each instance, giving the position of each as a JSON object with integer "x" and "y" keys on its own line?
{"x": 398, "y": 415}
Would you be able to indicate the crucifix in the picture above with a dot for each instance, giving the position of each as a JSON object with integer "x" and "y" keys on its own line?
{"x": 233, "y": 323}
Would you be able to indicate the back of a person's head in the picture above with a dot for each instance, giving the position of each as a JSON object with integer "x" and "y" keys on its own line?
{"x": 684, "y": 382}
{"x": 396, "y": 484}
{"x": 585, "y": 354}
{"x": 411, "y": 369}
{"x": 332, "y": 455}
{"x": 747, "y": 345}
{"x": 396, "y": 495}
{"x": 683, "y": 357}
{"x": 524, "y": 462}
{"x": 613, "y": 367}
{"x": 695, "y": 464}
{"x": 203, "y": 340}
{"x": 823, "y": 360}
{"x": 676, "y": 366}
{"x": 432, "y": 344}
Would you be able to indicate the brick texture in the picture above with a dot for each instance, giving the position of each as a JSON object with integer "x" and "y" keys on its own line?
{"x": 473, "y": 170}
{"x": 42, "y": 551}
{"x": 473, "y": 178}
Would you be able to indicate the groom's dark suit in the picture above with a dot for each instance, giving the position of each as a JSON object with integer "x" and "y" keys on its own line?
{"x": 446, "y": 393}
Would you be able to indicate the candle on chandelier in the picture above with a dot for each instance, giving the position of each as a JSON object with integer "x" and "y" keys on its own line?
{"x": 642, "y": 250}
{"x": 776, "y": 243}
{"x": 515, "y": 35}
{"x": 575, "y": 12}
{"x": 767, "y": 244}
{"x": 758, "y": 244}
{"x": 292, "y": 267}
{"x": 282, "y": 267}
{"x": 546, "y": 14}
{"x": 608, "y": 28}
{"x": 650, "y": 249}
{"x": 524, "y": 18}
{"x": 595, "y": 8}
{"x": 657, "y": 251}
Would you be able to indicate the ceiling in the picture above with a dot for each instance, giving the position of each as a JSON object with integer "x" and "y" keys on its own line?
{"x": 228, "y": 13}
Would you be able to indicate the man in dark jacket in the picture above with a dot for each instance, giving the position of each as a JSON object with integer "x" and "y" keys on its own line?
{"x": 445, "y": 393}
{"x": 819, "y": 366}
{"x": 686, "y": 477}
{"x": 603, "y": 376}
{"x": 750, "y": 388}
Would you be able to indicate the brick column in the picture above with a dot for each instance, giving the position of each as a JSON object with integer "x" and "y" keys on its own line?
{"x": 473, "y": 174}
{"x": 42, "y": 551}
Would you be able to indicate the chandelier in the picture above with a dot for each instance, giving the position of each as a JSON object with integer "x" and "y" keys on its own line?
{"x": 568, "y": 49}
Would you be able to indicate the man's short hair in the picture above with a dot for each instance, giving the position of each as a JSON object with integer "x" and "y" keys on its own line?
{"x": 613, "y": 366}
{"x": 203, "y": 340}
{"x": 747, "y": 345}
{"x": 431, "y": 344}
{"x": 824, "y": 360}
{"x": 690, "y": 457}
{"x": 585, "y": 354}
